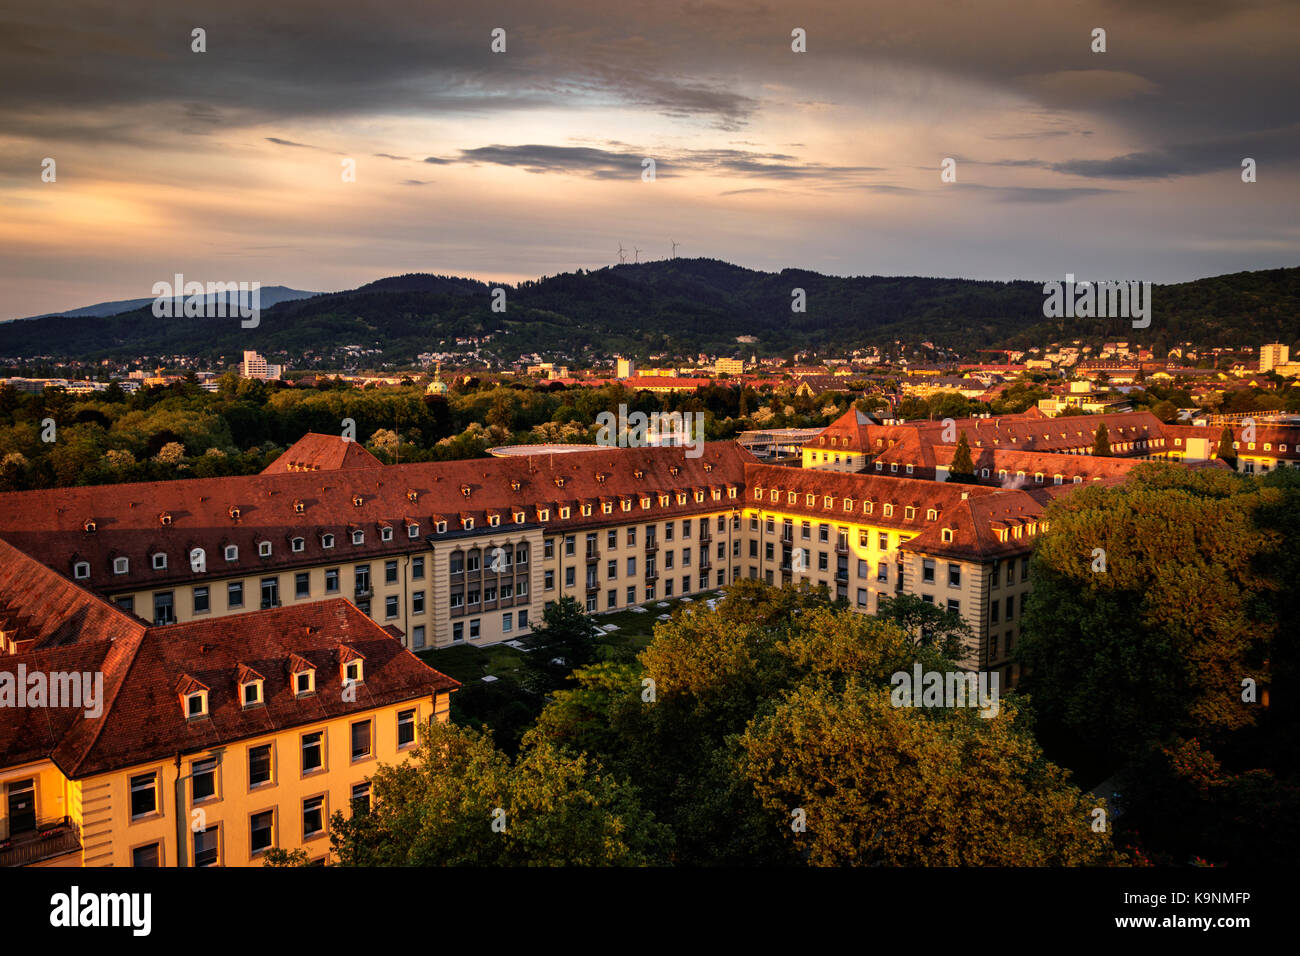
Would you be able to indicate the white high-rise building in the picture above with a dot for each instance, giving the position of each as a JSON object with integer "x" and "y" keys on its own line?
{"x": 1271, "y": 356}
{"x": 255, "y": 366}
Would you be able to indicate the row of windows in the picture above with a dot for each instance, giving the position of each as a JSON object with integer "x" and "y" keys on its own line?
{"x": 261, "y": 830}
{"x": 508, "y": 624}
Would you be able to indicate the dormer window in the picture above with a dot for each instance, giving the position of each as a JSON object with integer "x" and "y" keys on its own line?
{"x": 298, "y": 506}
{"x": 673, "y": 470}
{"x": 412, "y": 496}
{"x": 234, "y": 513}
{"x": 519, "y": 517}
{"x": 160, "y": 562}
{"x": 298, "y": 544}
{"x": 358, "y": 537}
{"x": 931, "y": 514}
{"x": 708, "y": 466}
{"x": 586, "y": 511}
{"x": 559, "y": 481}
{"x": 645, "y": 502}
{"x": 250, "y": 693}
{"x": 758, "y": 494}
{"x": 304, "y": 682}
{"x": 638, "y": 473}
{"x": 352, "y": 671}
{"x": 232, "y": 552}
{"x": 357, "y": 501}
{"x": 89, "y": 527}
{"x": 494, "y": 520}
{"x": 544, "y": 514}
{"x": 468, "y": 523}
{"x": 385, "y": 533}
{"x": 947, "y": 535}
{"x": 889, "y": 511}
{"x": 440, "y": 527}
{"x": 195, "y": 704}
{"x": 264, "y": 549}
{"x": 564, "y": 512}
{"x": 412, "y": 530}
{"x": 81, "y": 570}
{"x": 327, "y": 541}
{"x": 731, "y": 492}
{"x": 515, "y": 485}
{"x": 600, "y": 477}
{"x": 165, "y": 518}
{"x": 607, "y": 507}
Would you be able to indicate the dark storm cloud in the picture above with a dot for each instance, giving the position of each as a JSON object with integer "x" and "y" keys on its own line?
{"x": 608, "y": 164}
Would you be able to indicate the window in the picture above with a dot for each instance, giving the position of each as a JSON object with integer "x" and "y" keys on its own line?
{"x": 523, "y": 617}
{"x": 882, "y": 572}
{"x": 297, "y": 544}
{"x": 313, "y": 817}
{"x": 261, "y": 831}
{"x": 862, "y": 597}
{"x": 1024, "y": 568}
{"x": 882, "y": 541}
{"x": 994, "y": 608}
{"x": 569, "y": 545}
{"x": 473, "y": 629}
{"x": 144, "y": 795}
{"x": 121, "y": 565}
{"x": 417, "y": 568}
{"x": 390, "y": 607}
{"x": 927, "y": 570}
{"x": 507, "y": 622}
{"x": 301, "y": 584}
{"x": 160, "y": 562}
{"x": 259, "y": 765}
{"x": 569, "y": 577}
{"x": 250, "y": 693}
{"x": 264, "y": 549}
{"x": 235, "y": 594}
{"x": 521, "y": 554}
{"x": 203, "y": 779}
{"x": 548, "y": 580}
{"x": 1011, "y": 607}
{"x": 413, "y": 531}
{"x": 270, "y": 593}
{"x": 390, "y": 572}
{"x": 417, "y": 602}
{"x": 611, "y": 539}
{"x": 201, "y": 601}
{"x": 327, "y": 541}
{"x": 331, "y": 580}
{"x": 631, "y": 567}
{"x": 360, "y": 798}
{"x": 81, "y": 570}
{"x": 417, "y": 637}
{"x": 163, "y": 609}
{"x": 631, "y": 536}
{"x": 954, "y": 606}
{"x": 361, "y": 740}
{"x": 205, "y": 847}
{"x": 313, "y": 751}
{"x": 458, "y": 631}
{"x": 954, "y": 575}
{"x": 471, "y": 562}
{"x": 548, "y": 549}
{"x": 143, "y": 856}
{"x": 406, "y": 726}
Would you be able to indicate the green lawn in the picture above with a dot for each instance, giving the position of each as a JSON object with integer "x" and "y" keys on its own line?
{"x": 470, "y": 664}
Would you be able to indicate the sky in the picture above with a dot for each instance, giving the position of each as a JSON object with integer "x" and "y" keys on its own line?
{"x": 228, "y": 164}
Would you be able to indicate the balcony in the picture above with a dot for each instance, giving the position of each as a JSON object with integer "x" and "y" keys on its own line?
{"x": 787, "y": 536}
{"x": 706, "y": 536}
{"x": 364, "y": 591}
{"x": 47, "y": 841}
{"x": 651, "y": 545}
{"x": 842, "y": 547}
{"x": 651, "y": 574}
{"x": 705, "y": 564}
{"x": 593, "y": 587}
{"x": 593, "y": 554}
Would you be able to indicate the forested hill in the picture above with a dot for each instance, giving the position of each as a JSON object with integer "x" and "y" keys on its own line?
{"x": 678, "y": 306}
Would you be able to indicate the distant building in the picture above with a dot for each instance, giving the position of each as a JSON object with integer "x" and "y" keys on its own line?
{"x": 255, "y": 366}
{"x": 437, "y": 386}
{"x": 626, "y": 368}
{"x": 728, "y": 366}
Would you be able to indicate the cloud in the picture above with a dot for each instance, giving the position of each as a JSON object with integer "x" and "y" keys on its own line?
{"x": 286, "y": 142}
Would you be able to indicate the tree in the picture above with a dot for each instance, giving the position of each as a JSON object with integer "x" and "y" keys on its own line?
{"x": 461, "y": 802}
{"x": 564, "y": 641}
{"x": 1101, "y": 445}
{"x": 928, "y": 624}
{"x": 1226, "y": 451}
{"x": 876, "y": 784}
{"x": 962, "y": 468}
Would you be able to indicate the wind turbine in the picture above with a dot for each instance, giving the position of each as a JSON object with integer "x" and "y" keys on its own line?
{"x": 622, "y": 254}
{"x": 675, "y": 245}
{"x": 637, "y": 257}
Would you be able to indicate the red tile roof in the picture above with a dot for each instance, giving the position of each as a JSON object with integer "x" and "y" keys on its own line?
{"x": 41, "y": 608}
{"x": 317, "y": 452}
{"x": 49, "y": 524}
{"x": 143, "y": 674}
